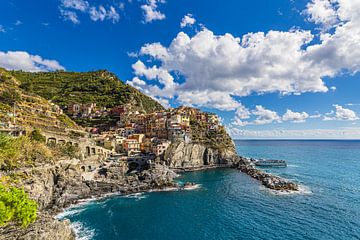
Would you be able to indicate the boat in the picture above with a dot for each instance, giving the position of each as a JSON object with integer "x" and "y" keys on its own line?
{"x": 271, "y": 163}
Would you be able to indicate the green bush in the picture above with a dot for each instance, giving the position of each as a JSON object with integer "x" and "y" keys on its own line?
{"x": 15, "y": 206}
{"x": 21, "y": 151}
{"x": 36, "y": 135}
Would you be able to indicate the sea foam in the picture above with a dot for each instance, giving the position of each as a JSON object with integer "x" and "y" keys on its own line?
{"x": 82, "y": 232}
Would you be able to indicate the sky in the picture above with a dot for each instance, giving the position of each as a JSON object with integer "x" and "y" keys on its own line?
{"x": 269, "y": 69}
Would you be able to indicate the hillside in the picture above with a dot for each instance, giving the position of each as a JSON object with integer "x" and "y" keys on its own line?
{"x": 100, "y": 87}
{"x": 31, "y": 111}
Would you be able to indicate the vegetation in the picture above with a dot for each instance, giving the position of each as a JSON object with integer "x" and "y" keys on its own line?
{"x": 21, "y": 151}
{"x": 100, "y": 87}
{"x": 15, "y": 206}
{"x": 65, "y": 150}
{"x": 36, "y": 135}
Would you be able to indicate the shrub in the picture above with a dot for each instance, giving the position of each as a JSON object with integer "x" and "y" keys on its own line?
{"x": 36, "y": 135}
{"x": 15, "y": 206}
{"x": 15, "y": 152}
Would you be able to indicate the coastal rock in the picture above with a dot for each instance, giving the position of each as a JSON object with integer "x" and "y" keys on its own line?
{"x": 195, "y": 155}
{"x": 45, "y": 228}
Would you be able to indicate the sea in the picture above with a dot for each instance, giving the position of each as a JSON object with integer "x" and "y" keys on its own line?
{"x": 230, "y": 205}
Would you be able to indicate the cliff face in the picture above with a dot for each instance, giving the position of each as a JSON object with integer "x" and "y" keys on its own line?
{"x": 195, "y": 155}
{"x": 55, "y": 187}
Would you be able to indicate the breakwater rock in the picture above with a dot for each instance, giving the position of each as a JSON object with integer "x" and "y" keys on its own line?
{"x": 268, "y": 180}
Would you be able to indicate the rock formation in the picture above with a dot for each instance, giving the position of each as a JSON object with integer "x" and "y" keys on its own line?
{"x": 196, "y": 155}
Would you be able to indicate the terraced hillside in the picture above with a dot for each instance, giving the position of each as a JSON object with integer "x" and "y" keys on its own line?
{"x": 30, "y": 110}
{"x": 100, "y": 87}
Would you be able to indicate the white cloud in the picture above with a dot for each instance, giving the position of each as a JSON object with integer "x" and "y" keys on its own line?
{"x": 18, "y": 23}
{"x": 265, "y": 116}
{"x": 70, "y": 16}
{"x": 318, "y": 115}
{"x": 68, "y": 10}
{"x": 19, "y": 60}
{"x": 322, "y": 12}
{"x": 80, "y": 5}
{"x": 2, "y": 29}
{"x": 285, "y": 62}
{"x": 296, "y": 117}
{"x": 346, "y": 133}
{"x": 188, "y": 20}
{"x": 150, "y": 11}
{"x": 341, "y": 113}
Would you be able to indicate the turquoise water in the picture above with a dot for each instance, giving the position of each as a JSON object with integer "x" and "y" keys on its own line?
{"x": 230, "y": 205}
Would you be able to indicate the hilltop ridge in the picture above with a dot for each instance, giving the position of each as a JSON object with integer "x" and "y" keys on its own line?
{"x": 102, "y": 88}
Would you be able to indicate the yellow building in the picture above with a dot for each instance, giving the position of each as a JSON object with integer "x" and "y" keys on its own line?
{"x": 185, "y": 120}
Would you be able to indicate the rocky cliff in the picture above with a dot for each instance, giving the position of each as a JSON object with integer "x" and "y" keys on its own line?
{"x": 196, "y": 155}
{"x": 55, "y": 187}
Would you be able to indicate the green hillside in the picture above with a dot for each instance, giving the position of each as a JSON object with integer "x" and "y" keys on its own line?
{"x": 32, "y": 110}
{"x": 100, "y": 87}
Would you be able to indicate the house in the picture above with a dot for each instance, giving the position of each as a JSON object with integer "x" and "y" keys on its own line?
{"x": 132, "y": 147}
{"x": 160, "y": 147}
{"x": 212, "y": 119}
{"x": 118, "y": 111}
{"x": 138, "y": 137}
{"x": 185, "y": 120}
{"x": 74, "y": 109}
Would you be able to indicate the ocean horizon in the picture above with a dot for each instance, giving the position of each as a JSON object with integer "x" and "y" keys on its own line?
{"x": 231, "y": 205}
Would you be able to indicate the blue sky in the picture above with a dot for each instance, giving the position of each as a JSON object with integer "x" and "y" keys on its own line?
{"x": 270, "y": 69}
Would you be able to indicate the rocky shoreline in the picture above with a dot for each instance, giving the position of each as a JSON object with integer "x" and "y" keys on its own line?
{"x": 58, "y": 187}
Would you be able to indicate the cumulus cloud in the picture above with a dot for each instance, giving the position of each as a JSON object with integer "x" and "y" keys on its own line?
{"x": 322, "y": 12}
{"x": 151, "y": 12}
{"x": 19, "y": 60}
{"x": 70, "y": 8}
{"x": 296, "y": 117}
{"x": 188, "y": 20}
{"x": 265, "y": 116}
{"x": 262, "y": 116}
{"x": 341, "y": 113}
{"x": 286, "y": 62}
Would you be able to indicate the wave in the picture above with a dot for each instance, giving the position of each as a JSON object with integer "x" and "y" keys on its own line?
{"x": 303, "y": 190}
{"x": 69, "y": 213}
{"x": 137, "y": 196}
{"x": 193, "y": 187}
{"x": 82, "y": 232}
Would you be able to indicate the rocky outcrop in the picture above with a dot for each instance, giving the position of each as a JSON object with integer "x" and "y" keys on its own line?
{"x": 45, "y": 228}
{"x": 57, "y": 187}
{"x": 194, "y": 155}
